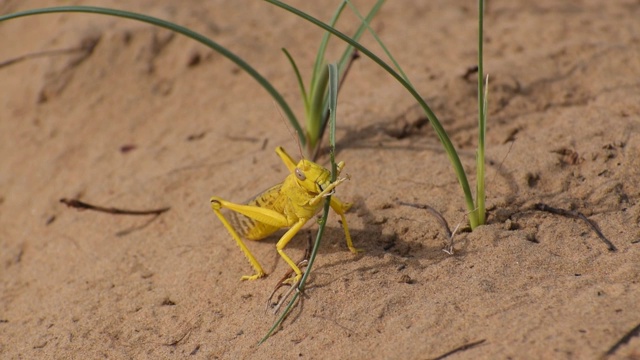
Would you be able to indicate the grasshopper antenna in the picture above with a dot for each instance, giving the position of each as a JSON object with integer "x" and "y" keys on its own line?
{"x": 294, "y": 134}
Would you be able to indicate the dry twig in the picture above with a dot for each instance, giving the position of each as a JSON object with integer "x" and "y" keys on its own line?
{"x": 75, "y": 203}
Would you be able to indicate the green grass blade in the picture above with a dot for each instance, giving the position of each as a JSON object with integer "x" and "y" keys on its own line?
{"x": 482, "y": 122}
{"x": 318, "y": 65}
{"x": 433, "y": 120}
{"x": 480, "y": 166}
{"x": 314, "y": 117}
{"x": 333, "y": 104}
{"x": 181, "y": 30}
{"x": 333, "y": 107}
{"x": 297, "y": 293}
{"x": 281, "y": 318}
{"x": 303, "y": 91}
{"x": 365, "y": 22}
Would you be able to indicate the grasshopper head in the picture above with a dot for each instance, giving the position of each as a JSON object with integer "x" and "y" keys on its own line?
{"x": 308, "y": 175}
{"x": 313, "y": 177}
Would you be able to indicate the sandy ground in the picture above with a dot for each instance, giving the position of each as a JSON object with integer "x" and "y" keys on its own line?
{"x": 134, "y": 117}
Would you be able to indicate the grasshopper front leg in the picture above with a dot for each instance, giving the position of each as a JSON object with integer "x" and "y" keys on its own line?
{"x": 327, "y": 191}
{"x": 340, "y": 208}
{"x": 282, "y": 243}
{"x": 260, "y": 214}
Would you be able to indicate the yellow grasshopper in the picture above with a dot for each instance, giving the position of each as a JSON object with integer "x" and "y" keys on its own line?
{"x": 289, "y": 204}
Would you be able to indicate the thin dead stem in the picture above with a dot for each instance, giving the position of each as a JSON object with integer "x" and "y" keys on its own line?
{"x": 75, "y": 203}
{"x": 576, "y": 215}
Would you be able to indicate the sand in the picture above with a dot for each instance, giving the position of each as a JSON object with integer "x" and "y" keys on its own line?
{"x": 131, "y": 116}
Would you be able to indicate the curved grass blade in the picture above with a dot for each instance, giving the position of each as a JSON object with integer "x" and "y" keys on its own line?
{"x": 181, "y": 30}
{"x": 303, "y": 91}
{"x": 314, "y": 116}
{"x": 365, "y": 23}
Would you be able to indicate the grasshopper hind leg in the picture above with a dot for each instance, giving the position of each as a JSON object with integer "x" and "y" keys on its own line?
{"x": 216, "y": 205}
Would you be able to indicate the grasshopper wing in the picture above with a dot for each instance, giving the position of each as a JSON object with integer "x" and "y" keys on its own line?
{"x": 252, "y": 229}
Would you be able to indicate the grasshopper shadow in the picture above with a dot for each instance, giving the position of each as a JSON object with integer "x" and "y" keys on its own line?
{"x": 383, "y": 247}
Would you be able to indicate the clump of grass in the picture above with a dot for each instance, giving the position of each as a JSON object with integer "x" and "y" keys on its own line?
{"x": 316, "y": 96}
{"x": 475, "y": 207}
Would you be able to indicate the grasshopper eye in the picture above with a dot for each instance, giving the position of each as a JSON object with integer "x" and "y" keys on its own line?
{"x": 300, "y": 175}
